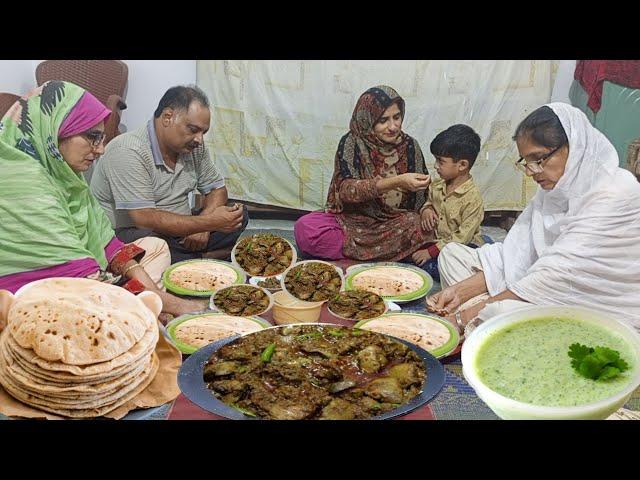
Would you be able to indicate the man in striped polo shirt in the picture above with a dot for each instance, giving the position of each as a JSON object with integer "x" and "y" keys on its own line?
{"x": 144, "y": 178}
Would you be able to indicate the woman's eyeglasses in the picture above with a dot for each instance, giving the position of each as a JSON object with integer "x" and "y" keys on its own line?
{"x": 95, "y": 137}
{"x": 535, "y": 166}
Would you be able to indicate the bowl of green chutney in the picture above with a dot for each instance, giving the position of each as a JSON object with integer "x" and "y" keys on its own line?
{"x": 518, "y": 363}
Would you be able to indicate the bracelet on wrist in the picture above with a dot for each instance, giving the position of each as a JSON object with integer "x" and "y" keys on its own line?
{"x": 126, "y": 270}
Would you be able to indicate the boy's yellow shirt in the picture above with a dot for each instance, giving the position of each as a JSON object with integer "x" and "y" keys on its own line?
{"x": 459, "y": 214}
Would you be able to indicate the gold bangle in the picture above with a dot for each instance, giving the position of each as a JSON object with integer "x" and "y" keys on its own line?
{"x": 458, "y": 317}
{"x": 126, "y": 270}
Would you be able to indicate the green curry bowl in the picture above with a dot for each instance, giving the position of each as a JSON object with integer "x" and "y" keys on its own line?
{"x": 518, "y": 363}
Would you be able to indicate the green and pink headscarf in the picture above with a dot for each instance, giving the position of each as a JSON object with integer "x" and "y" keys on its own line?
{"x": 48, "y": 214}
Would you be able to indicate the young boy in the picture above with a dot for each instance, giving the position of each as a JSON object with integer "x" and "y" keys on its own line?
{"x": 454, "y": 204}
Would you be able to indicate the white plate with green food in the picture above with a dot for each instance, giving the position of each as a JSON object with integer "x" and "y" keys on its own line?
{"x": 263, "y": 254}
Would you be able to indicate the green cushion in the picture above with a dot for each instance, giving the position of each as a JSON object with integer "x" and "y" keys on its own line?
{"x": 618, "y": 117}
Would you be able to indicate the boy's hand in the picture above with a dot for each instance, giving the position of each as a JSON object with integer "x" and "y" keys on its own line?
{"x": 413, "y": 182}
{"x": 421, "y": 257}
{"x": 428, "y": 219}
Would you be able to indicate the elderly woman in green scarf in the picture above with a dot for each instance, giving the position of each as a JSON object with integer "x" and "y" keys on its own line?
{"x": 51, "y": 225}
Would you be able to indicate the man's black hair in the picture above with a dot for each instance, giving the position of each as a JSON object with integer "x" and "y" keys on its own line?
{"x": 180, "y": 97}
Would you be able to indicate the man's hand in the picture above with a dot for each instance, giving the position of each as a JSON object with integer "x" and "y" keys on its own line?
{"x": 227, "y": 219}
{"x": 196, "y": 242}
{"x": 421, "y": 257}
{"x": 413, "y": 182}
{"x": 428, "y": 219}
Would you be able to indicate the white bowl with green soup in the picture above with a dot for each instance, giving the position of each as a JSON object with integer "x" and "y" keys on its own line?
{"x": 553, "y": 362}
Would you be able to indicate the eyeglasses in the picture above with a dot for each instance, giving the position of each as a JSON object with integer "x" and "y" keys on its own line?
{"x": 94, "y": 137}
{"x": 535, "y": 166}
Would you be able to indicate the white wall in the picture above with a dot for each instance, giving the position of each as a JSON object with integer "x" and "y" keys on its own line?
{"x": 564, "y": 79}
{"x": 148, "y": 80}
{"x": 17, "y": 76}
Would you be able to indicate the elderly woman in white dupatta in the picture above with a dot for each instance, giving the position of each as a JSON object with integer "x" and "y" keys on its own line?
{"x": 576, "y": 243}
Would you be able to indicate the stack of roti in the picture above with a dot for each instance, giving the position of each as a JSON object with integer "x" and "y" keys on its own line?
{"x": 77, "y": 347}
{"x": 203, "y": 276}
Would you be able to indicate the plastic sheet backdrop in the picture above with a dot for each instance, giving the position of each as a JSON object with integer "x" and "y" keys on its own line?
{"x": 276, "y": 124}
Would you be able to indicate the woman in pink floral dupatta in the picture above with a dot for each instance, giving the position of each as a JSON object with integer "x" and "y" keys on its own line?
{"x": 378, "y": 186}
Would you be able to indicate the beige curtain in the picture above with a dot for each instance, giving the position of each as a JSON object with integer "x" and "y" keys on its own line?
{"x": 276, "y": 124}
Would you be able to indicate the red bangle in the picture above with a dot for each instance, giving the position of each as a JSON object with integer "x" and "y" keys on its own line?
{"x": 127, "y": 253}
{"x": 134, "y": 286}
{"x": 433, "y": 250}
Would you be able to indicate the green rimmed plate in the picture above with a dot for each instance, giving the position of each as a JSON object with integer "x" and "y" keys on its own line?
{"x": 434, "y": 334}
{"x": 240, "y": 277}
{"x": 230, "y": 320}
{"x": 392, "y": 272}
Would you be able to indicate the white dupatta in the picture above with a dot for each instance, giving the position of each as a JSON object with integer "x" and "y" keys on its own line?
{"x": 578, "y": 244}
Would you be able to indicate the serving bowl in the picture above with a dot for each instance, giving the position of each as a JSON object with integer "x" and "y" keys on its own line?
{"x": 509, "y": 408}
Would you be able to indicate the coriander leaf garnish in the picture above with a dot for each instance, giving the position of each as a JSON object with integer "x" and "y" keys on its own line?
{"x": 599, "y": 363}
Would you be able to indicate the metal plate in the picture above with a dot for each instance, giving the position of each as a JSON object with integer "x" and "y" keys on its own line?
{"x": 193, "y": 386}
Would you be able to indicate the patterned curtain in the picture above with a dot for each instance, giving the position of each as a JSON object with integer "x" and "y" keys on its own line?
{"x": 276, "y": 124}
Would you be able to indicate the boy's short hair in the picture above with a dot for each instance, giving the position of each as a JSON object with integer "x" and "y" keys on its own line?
{"x": 459, "y": 142}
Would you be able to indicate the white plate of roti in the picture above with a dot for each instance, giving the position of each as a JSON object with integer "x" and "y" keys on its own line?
{"x": 193, "y": 331}
{"x": 201, "y": 278}
{"x": 397, "y": 282}
{"x": 435, "y": 335}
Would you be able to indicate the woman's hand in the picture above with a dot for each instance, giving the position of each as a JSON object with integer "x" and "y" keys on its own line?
{"x": 180, "y": 306}
{"x": 445, "y": 302}
{"x": 428, "y": 219}
{"x": 413, "y": 182}
{"x": 465, "y": 316}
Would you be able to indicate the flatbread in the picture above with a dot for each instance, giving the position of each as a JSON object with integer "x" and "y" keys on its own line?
{"x": 388, "y": 281}
{"x": 84, "y": 412}
{"x": 421, "y": 331}
{"x": 77, "y": 347}
{"x": 78, "y": 321}
{"x": 28, "y": 381}
{"x": 57, "y": 378}
{"x": 145, "y": 346}
{"x": 77, "y": 400}
{"x": 200, "y": 331}
{"x": 203, "y": 276}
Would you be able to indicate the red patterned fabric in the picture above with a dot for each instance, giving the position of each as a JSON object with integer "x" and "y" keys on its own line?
{"x": 127, "y": 253}
{"x": 134, "y": 286}
{"x": 592, "y": 73}
{"x": 433, "y": 250}
{"x": 373, "y": 229}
